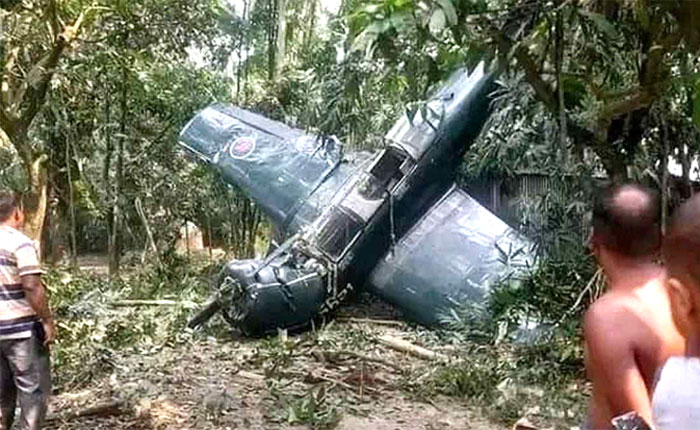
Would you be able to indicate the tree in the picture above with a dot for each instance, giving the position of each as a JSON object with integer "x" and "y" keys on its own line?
{"x": 596, "y": 67}
{"x": 31, "y": 52}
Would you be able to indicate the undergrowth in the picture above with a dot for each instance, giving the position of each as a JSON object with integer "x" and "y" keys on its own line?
{"x": 507, "y": 381}
{"x": 95, "y": 327}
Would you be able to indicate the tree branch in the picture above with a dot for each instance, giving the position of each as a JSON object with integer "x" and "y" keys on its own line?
{"x": 639, "y": 98}
{"x": 541, "y": 88}
{"x": 7, "y": 125}
{"x": 39, "y": 77}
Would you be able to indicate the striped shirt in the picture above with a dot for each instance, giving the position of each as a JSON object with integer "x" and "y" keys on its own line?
{"x": 18, "y": 257}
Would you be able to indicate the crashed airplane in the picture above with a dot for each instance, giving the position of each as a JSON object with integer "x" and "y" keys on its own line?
{"x": 392, "y": 223}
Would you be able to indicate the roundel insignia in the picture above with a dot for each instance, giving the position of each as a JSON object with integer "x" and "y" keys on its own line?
{"x": 242, "y": 147}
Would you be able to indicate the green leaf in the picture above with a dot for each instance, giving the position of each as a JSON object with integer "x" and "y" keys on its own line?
{"x": 368, "y": 37}
{"x": 601, "y": 22}
{"x": 438, "y": 21}
{"x": 401, "y": 21}
{"x": 642, "y": 15}
{"x": 449, "y": 10}
{"x": 370, "y": 9}
{"x": 696, "y": 105}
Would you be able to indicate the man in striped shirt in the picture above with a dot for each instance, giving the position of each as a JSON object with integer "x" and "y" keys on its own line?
{"x": 26, "y": 324}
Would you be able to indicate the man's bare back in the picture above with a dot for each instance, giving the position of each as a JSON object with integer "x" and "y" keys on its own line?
{"x": 629, "y": 335}
{"x": 629, "y": 331}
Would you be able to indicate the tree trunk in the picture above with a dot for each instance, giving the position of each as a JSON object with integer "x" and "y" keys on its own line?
{"x": 664, "y": 176}
{"x": 242, "y": 41}
{"x": 271, "y": 39}
{"x": 247, "y": 54}
{"x": 107, "y": 168}
{"x": 150, "y": 241}
{"x": 116, "y": 242}
{"x": 187, "y": 238}
{"x": 684, "y": 153}
{"x": 278, "y": 40}
{"x": 211, "y": 251}
{"x": 309, "y": 32}
{"x": 71, "y": 207}
{"x": 559, "y": 60}
{"x": 36, "y": 202}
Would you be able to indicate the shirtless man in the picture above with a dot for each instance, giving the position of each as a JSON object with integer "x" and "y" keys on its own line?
{"x": 629, "y": 331}
{"x": 676, "y": 400}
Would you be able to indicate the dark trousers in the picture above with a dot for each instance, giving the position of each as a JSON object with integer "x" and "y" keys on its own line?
{"x": 25, "y": 375}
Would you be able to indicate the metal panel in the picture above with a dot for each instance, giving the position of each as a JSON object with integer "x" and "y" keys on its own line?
{"x": 455, "y": 253}
{"x": 277, "y": 166}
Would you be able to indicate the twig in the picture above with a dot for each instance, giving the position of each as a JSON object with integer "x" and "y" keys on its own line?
{"x": 594, "y": 280}
{"x": 370, "y": 321}
{"x": 409, "y": 348}
{"x": 312, "y": 377}
{"x": 104, "y": 409}
{"x": 366, "y": 358}
{"x": 134, "y": 303}
{"x": 250, "y": 375}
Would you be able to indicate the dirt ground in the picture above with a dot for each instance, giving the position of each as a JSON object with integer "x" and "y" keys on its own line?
{"x": 204, "y": 385}
{"x": 335, "y": 376}
{"x": 332, "y": 377}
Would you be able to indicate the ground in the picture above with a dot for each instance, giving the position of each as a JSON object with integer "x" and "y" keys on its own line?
{"x": 120, "y": 366}
{"x": 221, "y": 384}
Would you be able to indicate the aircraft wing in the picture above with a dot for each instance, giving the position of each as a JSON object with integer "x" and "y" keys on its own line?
{"x": 454, "y": 254}
{"x": 277, "y": 166}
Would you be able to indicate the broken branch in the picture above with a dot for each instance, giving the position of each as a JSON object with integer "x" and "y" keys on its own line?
{"x": 134, "y": 303}
{"x": 366, "y": 358}
{"x": 409, "y": 348}
{"x": 370, "y": 321}
{"x": 104, "y": 409}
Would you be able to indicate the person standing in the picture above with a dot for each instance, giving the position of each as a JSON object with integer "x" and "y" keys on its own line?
{"x": 629, "y": 331}
{"x": 676, "y": 400}
{"x": 26, "y": 324}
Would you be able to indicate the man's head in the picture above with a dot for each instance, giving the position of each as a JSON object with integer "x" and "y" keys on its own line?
{"x": 681, "y": 251}
{"x": 626, "y": 222}
{"x": 11, "y": 212}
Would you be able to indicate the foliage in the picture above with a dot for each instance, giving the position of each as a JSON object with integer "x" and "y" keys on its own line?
{"x": 508, "y": 381}
{"x": 315, "y": 409}
{"x": 589, "y": 89}
{"x": 593, "y": 94}
{"x": 94, "y": 330}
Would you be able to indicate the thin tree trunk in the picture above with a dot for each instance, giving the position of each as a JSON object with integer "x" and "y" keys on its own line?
{"x": 106, "y": 168}
{"x": 278, "y": 39}
{"x": 311, "y": 21}
{"x": 35, "y": 207}
{"x": 232, "y": 222}
{"x": 684, "y": 153}
{"x": 71, "y": 207}
{"x": 664, "y": 176}
{"x": 211, "y": 252}
{"x": 241, "y": 42}
{"x": 150, "y": 241}
{"x": 246, "y": 67}
{"x": 115, "y": 245}
{"x": 271, "y": 39}
{"x": 559, "y": 60}
{"x": 187, "y": 238}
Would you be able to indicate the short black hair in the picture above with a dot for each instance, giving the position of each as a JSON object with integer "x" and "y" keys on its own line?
{"x": 626, "y": 219}
{"x": 8, "y": 203}
{"x": 681, "y": 247}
